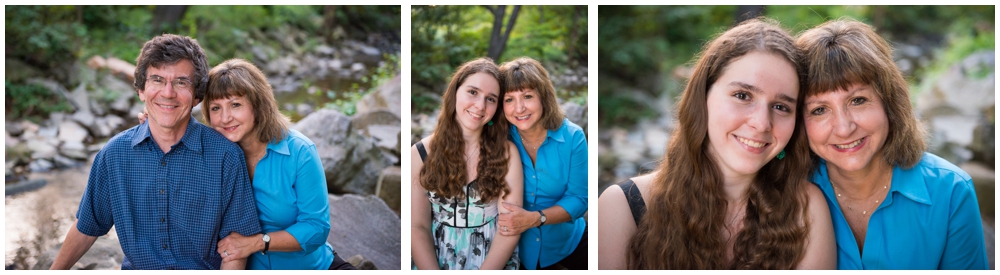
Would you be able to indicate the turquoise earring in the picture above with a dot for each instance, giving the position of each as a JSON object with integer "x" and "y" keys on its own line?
{"x": 781, "y": 155}
{"x": 490, "y": 123}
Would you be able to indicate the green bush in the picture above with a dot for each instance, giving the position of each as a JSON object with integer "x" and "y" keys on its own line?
{"x": 32, "y": 102}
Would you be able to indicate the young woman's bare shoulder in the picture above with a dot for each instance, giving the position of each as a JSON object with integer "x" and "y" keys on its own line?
{"x": 644, "y": 183}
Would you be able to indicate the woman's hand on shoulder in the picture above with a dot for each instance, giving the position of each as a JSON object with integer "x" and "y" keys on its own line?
{"x": 821, "y": 245}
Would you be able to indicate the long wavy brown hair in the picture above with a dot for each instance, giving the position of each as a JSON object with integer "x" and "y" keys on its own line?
{"x": 444, "y": 170}
{"x": 685, "y": 219}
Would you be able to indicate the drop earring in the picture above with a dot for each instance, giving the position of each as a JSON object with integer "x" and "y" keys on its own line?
{"x": 781, "y": 155}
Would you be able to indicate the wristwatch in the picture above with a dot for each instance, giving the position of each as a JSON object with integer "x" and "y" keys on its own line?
{"x": 542, "y": 218}
{"x": 267, "y": 243}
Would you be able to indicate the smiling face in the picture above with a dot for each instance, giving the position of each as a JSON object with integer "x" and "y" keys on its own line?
{"x": 476, "y": 101}
{"x": 232, "y": 117}
{"x": 168, "y": 106}
{"x": 523, "y": 108}
{"x": 847, "y": 128}
{"x": 751, "y": 112}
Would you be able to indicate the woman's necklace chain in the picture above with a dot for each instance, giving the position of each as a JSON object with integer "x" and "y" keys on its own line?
{"x": 529, "y": 145}
{"x": 864, "y": 211}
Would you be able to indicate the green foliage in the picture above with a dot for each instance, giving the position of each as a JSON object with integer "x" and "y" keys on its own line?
{"x": 444, "y": 37}
{"x": 641, "y": 46}
{"x": 32, "y": 102}
{"x": 346, "y": 103}
{"x": 43, "y": 36}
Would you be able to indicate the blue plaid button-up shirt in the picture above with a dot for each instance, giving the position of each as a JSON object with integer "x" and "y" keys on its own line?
{"x": 169, "y": 210}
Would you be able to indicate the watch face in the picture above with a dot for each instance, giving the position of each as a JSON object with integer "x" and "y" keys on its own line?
{"x": 267, "y": 238}
{"x": 543, "y": 218}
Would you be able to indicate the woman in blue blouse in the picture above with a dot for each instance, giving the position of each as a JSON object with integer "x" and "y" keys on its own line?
{"x": 288, "y": 179}
{"x": 893, "y": 205}
{"x": 554, "y": 157}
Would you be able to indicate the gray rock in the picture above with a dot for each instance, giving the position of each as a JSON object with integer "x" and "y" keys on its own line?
{"x": 70, "y": 131}
{"x": 42, "y": 148}
{"x": 335, "y": 64}
{"x": 13, "y": 128}
{"x": 325, "y": 50}
{"x": 304, "y": 109}
{"x": 381, "y": 125}
{"x": 389, "y": 183}
{"x": 80, "y": 98}
{"x": 49, "y": 131}
{"x": 105, "y": 254}
{"x": 40, "y": 165}
{"x": 86, "y": 119}
{"x": 51, "y": 85}
{"x": 62, "y": 162}
{"x": 357, "y": 68}
{"x": 576, "y": 113}
{"x": 365, "y": 225}
{"x": 136, "y": 109}
{"x": 352, "y": 162}
{"x": 97, "y": 108}
{"x": 388, "y": 96}
{"x": 8, "y": 140}
{"x": 74, "y": 150}
{"x": 656, "y": 139}
{"x": 368, "y": 50}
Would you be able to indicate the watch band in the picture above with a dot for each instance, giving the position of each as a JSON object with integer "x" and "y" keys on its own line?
{"x": 267, "y": 243}
{"x": 541, "y": 218}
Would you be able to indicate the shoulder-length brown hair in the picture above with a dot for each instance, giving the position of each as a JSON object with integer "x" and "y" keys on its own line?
{"x": 526, "y": 73}
{"x": 685, "y": 218}
{"x": 238, "y": 77}
{"x": 845, "y": 52}
{"x": 444, "y": 170}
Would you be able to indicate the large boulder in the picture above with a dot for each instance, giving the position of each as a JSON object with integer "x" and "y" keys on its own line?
{"x": 958, "y": 105}
{"x": 365, "y": 225}
{"x": 383, "y": 127}
{"x": 352, "y": 161}
{"x": 388, "y": 189}
{"x": 106, "y": 253}
{"x": 388, "y": 96}
{"x": 576, "y": 113}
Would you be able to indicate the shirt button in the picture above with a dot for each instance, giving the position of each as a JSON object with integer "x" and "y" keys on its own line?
{"x": 532, "y": 176}
{"x": 163, "y": 220}
{"x": 538, "y": 239}
{"x": 163, "y": 163}
{"x": 164, "y": 246}
{"x": 161, "y": 191}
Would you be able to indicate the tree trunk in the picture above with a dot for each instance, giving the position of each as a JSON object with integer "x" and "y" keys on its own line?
{"x": 574, "y": 31}
{"x": 329, "y": 22}
{"x": 744, "y": 13}
{"x": 498, "y": 40}
{"x": 166, "y": 17}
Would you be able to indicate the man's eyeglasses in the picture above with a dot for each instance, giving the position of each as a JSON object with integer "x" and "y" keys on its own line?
{"x": 158, "y": 82}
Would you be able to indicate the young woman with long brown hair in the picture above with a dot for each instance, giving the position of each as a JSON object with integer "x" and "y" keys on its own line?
{"x": 731, "y": 192}
{"x": 454, "y": 219}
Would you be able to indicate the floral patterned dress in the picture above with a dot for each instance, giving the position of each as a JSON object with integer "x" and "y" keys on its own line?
{"x": 463, "y": 229}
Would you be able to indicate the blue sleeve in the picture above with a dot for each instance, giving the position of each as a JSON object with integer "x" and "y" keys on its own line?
{"x": 575, "y": 199}
{"x": 94, "y": 217}
{"x": 312, "y": 224}
{"x": 240, "y": 207}
{"x": 966, "y": 247}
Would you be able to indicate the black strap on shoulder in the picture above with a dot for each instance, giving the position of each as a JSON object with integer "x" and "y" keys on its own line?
{"x": 634, "y": 198}
{"x": 421, "y": 150}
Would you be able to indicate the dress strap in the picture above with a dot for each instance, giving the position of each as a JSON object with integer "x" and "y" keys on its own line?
{"x": 421, "y": 150}
{"x": 634, "y": 198}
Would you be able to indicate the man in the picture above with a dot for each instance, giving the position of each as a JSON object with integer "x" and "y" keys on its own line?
{"x": 171, "y": 187}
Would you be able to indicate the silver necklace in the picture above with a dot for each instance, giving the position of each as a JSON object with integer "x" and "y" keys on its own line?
{"x": 864, "y": 211}
{"x": 529, "y": 145}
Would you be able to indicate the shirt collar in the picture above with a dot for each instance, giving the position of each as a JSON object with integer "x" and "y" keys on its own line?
{"x": 281, "y": 147}
{"x": 191, "y": 139}
{"x": 907, "y": 182}
{"x": 557, "y": 135}
{"x": 910, "y": 183}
